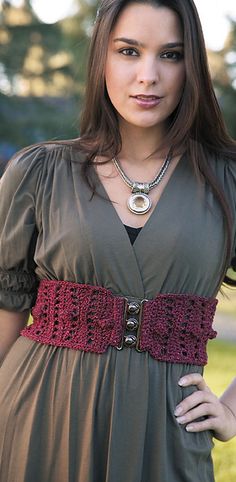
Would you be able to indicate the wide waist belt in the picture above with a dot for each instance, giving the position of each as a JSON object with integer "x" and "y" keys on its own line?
{"x": 171, "y": 327}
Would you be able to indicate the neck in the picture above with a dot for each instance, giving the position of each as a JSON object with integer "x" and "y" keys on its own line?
{"x": 140, "y": 144}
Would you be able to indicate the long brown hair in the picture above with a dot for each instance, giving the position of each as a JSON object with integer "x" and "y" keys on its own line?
{"x": 196, "y": 127}
{"x": 197, "y": 123}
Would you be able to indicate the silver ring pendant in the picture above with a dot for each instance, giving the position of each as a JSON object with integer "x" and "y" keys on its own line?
{"x": 139, "y": 203}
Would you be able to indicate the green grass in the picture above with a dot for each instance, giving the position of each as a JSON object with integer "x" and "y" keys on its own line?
{"x": 227, "y": 301}
{"x": 220, "y": 371}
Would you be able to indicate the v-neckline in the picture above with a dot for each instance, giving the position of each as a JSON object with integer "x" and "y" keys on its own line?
{"x": 103, "y": 192}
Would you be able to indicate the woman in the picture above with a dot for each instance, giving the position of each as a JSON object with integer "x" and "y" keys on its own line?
{"x": 106, "y": 385}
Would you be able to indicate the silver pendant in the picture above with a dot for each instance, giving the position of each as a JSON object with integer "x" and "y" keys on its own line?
{"x": 139, "y": 203}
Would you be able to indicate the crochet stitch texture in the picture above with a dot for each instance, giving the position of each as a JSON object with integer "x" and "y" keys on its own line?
{"x": 173, "y": 327}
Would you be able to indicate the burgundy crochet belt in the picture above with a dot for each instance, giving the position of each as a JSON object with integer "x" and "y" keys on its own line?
{"x": 172, "y": 327}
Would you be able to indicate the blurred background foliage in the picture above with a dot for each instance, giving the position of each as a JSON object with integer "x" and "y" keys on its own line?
{"x": 43, "y": 68}
{"x": 42, "y": 74}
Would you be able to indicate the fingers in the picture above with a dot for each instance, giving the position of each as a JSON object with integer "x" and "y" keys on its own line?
{"x": 198, "y": 412}
{"x": 201, "y": 403}
{"x": 207, "y": 424}
{"x": 194, "y": 379}
{"x": 204, "y": 405}
{"x": 203, "y": 394}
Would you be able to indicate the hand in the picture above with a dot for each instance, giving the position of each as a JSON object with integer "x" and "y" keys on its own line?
{"x": 203, "y": 403}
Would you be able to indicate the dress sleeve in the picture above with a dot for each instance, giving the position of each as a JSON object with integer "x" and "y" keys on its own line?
{"x": 18, "y": 231}
{"x": 230, "y": 190}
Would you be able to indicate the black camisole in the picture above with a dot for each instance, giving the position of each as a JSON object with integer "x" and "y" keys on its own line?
{"x": 132, "y": 232}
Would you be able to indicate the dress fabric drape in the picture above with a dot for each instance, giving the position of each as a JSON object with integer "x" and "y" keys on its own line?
{"x": 71, "y": 416}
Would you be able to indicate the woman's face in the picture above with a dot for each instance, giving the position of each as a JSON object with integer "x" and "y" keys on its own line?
{"x": 145, "y": 70}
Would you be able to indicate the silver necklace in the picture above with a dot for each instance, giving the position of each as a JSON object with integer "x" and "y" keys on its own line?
{"x": 139, "y": 202}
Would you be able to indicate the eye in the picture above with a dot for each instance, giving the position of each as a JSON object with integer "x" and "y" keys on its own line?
{"x": 172, "y": 55}
{"x": 129, "y": 52}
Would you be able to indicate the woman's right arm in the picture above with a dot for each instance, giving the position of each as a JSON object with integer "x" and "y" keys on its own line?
{"x": 11, "y": 324}
{"x": 19, "y": 188}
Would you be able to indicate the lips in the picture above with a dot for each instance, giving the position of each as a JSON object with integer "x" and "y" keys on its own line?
{"x": 146, "y": 97}
{"x": 144, "y": 101}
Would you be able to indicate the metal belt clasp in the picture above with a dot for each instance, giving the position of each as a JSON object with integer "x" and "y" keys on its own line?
{"x": 132, "y": 324}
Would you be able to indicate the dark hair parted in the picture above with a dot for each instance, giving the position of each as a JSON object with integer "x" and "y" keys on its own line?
{"x": 196, "y": 126}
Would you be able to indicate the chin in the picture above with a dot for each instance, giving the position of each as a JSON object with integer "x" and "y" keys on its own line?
{"x": 147, "y": 125}
{"x": 144, "y": 122}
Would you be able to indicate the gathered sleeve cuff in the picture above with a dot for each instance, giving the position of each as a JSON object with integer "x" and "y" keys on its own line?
{"x": 18, "y": 290}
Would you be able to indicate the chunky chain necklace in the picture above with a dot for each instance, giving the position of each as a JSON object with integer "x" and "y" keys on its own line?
{"x": 139, "y": 202}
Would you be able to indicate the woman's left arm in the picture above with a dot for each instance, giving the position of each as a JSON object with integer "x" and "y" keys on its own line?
{"x": 220, "y": 412}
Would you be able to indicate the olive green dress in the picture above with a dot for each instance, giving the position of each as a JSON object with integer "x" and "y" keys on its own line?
{"x": 71, "y": 416}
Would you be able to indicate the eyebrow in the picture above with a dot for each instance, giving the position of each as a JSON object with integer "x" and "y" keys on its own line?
{"x": 130, "y": 41}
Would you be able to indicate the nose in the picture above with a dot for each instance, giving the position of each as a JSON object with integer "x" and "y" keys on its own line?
{"x": 148, "y": 72}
